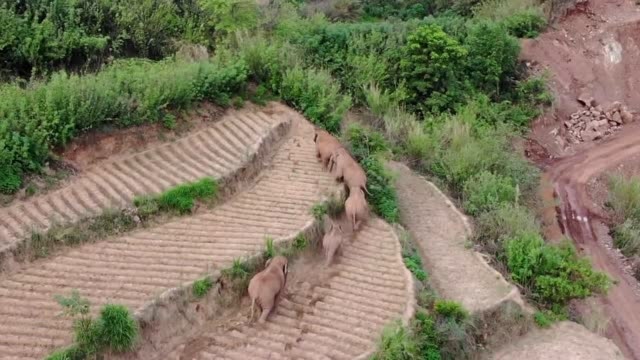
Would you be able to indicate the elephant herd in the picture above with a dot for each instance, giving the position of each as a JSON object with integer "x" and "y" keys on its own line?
{"x": 266, "y": 287}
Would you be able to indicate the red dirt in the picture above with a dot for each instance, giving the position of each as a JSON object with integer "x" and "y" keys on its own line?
{"x": 594, "y": 50}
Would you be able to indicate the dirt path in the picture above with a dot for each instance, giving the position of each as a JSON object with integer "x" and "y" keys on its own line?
{"x": 134, "y": 269}
{"x": 595, "y": 51}
{"x": 458, "y": 272}
{"x": 327, "y": 313}
{"x": 219, "y": 151}
{"x": 564, "y": 341}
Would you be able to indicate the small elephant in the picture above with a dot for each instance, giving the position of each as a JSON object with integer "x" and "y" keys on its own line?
{"x": 326, "y": 144}
{"x": 356, "y": 207}
{"x": 266, "y": 286}
{"x": 331, "y": 242}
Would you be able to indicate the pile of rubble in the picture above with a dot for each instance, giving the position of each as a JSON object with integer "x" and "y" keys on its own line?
{"x": 594, "y": 122}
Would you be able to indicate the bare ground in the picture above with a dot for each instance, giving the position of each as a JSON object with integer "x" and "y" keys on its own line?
{"x": 595, "y": 51}
{"x": 133, "y": 269}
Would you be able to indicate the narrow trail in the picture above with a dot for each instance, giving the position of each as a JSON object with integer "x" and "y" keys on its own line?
{"x": 218, "y": 151}
{"x": 441, "y": 232}
{"x": 133, "y": 269}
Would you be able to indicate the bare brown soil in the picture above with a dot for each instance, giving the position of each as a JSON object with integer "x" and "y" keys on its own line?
{"x": 595, "y": 50}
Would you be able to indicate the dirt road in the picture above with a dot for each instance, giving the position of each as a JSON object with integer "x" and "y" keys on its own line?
{"x": 582, "y": 222}
{"x": 594, "y": 50}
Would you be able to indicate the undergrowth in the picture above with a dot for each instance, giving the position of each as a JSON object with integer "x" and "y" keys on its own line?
{"x": 201, "y": 287}
{"x": 114, "y": 330}
{"x": 180, "y": 199}
{"x": 624, "y": 202}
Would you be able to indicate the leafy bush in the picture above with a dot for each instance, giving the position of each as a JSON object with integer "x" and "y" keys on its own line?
{"x": 427, "y": 336}
{"x": 430, "y": 67}
{"x": 553, "y": 274}
{"x": 487, "y": 191}
{"x": 10, "y": 181}
{"x": 492, "y": 56}
{"x": 180, "y": 198}
{"x": 118, "y": 330}
{"x": 316, "y": 94}
{"x": 525, "y": 24}
{"x": 414, "y": 264}
{"x": 364, "y": 142}
{"x": 114, "y": 330}
{"x": 396, "y": 343}
{"x": 507, "y": 221}
{"x": 451, "y": 310}
{"x": 383, "y": 196}
{"x": 201, "y": 287}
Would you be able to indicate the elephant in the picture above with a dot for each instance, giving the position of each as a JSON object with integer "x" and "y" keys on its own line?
{"x": 266, "y": 286}
{"x": 356, "y": 207}
{"x": 326, "y": 144}
{"x": 348, "y": 169}
{"x": 332, "y": 241}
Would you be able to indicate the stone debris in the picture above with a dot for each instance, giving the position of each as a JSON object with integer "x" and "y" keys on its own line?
{"x": 593, "y": 122}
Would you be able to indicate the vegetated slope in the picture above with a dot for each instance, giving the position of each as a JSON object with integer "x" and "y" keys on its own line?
{"x": 133, "y": 269}
{"x": 218, "y": 151}
{"x": 565, "y": 340}
{"x": 440, "y": 231}
{"x": 335, "y": 312}
{"x": 594, "y": 52}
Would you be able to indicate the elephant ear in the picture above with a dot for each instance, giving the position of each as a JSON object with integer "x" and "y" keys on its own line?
{"x": 315, "y": 137}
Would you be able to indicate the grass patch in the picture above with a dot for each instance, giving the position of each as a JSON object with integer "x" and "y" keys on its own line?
{"x": 179, "y": 199}
{"x": 114, "y": 330}
{"x": 269, "y": 250}
{"x": 201, "y": 287}
{"x": 332, "y": 207}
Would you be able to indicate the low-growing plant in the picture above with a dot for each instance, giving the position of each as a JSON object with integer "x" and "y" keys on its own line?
{"x": 364, "y": 142}
{"x": 626, "y": 237}
{"x": 396, "y": 343}
{"x": 114, "y": 330}
{"x": 624, "y": 198}
{"x": 201, "y": 287}
{"x": 239, "y": 270}
{"x": 451, "y": 310}
{"x": 300, "y": 242}
{"x": 487, "y": 191}
{"x": 269, "y": 250}
{"x": 526, "y": 24}
{"x": 383, "y": 197}
{"x": 180, "y": 199}
{"x": 554, "y": 275}
{"x": 506, "y": 222}
{"x": 544, "y": 319}
{"x": 414, "y": 264}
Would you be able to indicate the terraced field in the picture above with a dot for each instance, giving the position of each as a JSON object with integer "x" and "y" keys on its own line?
{"x": 329, "y": 313}
{"x": 136, "y": 268}
{"x": 218, "y": 151}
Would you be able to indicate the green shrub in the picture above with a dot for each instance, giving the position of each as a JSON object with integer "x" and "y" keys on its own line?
{"x": 10, "y": 181}
{"x": 180, "y": 198}
{"x": 414, "y": 264}
{"x": 364, "y": 142}
{"x": 316, "y": 94}
{"x": 430, "y": 68}
{"x": 427, "y": 337}
{"x": 505, "y": 222}
{"x": 525, "y": 24}
{"x": 487, "y": 191}
{"x": 383, "y": 196}
{"x": 451, "y": 310}
{"x": 492, "y": 56}
{"x": 201, "y": 287}
{"x": 300, "y": 242}
{"x": 118, "y": 329}
{"x": 396, "y": 343}
{"x": 553, "y": 274}
{"x": 626, "y": 237}
{"x": 546, "y": 318}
